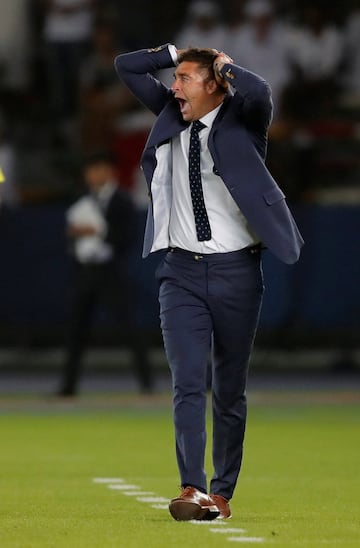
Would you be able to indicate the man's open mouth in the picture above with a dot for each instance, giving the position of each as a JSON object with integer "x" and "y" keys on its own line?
{"x": 182, "y": 103}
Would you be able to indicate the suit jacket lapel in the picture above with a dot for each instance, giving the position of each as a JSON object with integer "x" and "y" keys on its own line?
{"x": 215, "y": 126}
{"x": 220, "y": 115}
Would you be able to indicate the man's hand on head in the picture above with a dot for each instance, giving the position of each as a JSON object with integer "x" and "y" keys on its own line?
{"x": 221, "y": 60}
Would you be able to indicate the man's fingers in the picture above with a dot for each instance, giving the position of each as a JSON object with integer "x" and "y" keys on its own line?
{"x": 224, "y": 58}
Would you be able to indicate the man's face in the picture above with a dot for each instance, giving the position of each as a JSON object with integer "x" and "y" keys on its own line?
{"x": 193, "y": 91}
{"x": 96, "y": 175}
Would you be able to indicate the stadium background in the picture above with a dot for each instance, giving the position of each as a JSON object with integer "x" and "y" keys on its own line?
{"x": 311, "y": 312}
{"x": 300, "y": 483}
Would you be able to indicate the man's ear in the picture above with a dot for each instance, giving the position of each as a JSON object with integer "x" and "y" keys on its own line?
{"x": 211, "y": 86}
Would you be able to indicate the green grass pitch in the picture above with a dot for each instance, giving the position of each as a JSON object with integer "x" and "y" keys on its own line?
{"x": 299, "y": 486}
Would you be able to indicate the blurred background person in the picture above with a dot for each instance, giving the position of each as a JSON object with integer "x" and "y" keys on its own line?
{"x": 101, "y": 229}
{"x": 352, "y": 55}
{"x": 203, "y": 26}
{"x": 103, "y": 99}
{"x": 261, "y": 44}
{"x": 316, "y": 54}
{"x": 9, "y": 195}
{"x": 15, "y": 47}
{"x": 67, "y": 33}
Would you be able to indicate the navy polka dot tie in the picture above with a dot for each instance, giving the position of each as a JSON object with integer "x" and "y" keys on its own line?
{"x": 202, "y": 225}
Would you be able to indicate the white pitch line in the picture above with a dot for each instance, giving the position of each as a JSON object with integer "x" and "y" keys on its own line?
{"x": 162, "y": 503}
{"x": 227, "y": 530}
{"x": 138, "y": 493}
{"x": 122, "y": 487}
{"x": 108, "y": 480}
{"x": 153, "y": 499}
{"x": 246, "y": 539}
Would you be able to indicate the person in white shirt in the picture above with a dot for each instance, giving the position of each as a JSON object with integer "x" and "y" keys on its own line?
{"x": 101, "y": 230}
{"x": 262, "y": 44}
{"x": 316, "y": 54}
{"x": 67, "y": 33}
{"x": 15, "y": 45}
{"x": 202, "y": 26}
{"x": 317, "y": 45}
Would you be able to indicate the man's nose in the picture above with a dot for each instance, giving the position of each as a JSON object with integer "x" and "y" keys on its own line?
{"x": 175, "y": 85}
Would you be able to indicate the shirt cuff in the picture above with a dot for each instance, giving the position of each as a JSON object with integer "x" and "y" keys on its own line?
{"x": 173, "y": 53}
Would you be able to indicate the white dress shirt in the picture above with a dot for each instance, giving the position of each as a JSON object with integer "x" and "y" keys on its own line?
{"x": 229, "y": 228}
{"x": 89, "y": 210}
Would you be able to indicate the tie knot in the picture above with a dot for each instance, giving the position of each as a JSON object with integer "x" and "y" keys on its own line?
{"x": 197, "y": 126}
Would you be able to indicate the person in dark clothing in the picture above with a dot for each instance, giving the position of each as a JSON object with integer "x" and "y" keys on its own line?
{"x": 101, "y": 229}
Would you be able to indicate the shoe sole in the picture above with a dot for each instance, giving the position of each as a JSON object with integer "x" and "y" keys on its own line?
{"x": 209, "y": 513}
{"x": 186, "y": 511}
{"x": 224, "y": 517}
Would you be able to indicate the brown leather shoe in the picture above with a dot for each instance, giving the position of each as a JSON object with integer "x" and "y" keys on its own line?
{"x": 193, "y": 504}
{"x": 223, "y": 505}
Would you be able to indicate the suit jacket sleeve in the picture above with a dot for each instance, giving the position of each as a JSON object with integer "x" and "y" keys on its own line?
{"x": 252, "y": 95}
{"x": 137, "y": 69}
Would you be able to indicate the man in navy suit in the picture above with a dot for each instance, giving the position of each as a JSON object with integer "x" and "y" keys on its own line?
{"x": 214, "y": 206}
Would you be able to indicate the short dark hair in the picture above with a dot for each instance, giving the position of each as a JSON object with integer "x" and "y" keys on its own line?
{"x": 97, "y": 157}
{"x": 204, "y": 57}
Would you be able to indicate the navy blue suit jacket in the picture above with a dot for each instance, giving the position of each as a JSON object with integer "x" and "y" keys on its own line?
{"x": 237, "y": 143}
